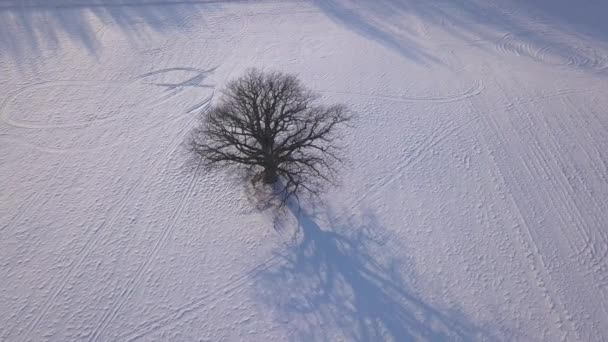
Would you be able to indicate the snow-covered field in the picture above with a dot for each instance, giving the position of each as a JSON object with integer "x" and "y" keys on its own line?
{"x": 475, "y": 206}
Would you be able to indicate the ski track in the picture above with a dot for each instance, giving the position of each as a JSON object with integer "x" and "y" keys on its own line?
{"x": 134, "y": 281}
{"x": 573, "y": 210}
{"x": 90, "y": 244}
{"x": 526, "y": 238}
{"x": 595, "y": 242}
{"x": 527, "y": 245}
{"x": 586, "y": 235}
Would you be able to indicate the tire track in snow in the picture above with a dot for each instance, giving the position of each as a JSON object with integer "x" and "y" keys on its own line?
{"x": 134, "y": 281}
{"x": 528, "y": 245}
{"x": 90, "y": 244}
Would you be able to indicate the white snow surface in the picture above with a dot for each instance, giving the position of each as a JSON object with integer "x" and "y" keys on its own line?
{"x": 474, "y": 206}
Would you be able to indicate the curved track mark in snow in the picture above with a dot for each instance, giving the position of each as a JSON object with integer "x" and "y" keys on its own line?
{"x": 174, "y": 89}
{"x": 72, "y": 150}
{"x": 552, "y": 53}
{"x": 162, "y": 71}
{"x": 473, "y": 91}
{"x": 117, "y": 143}
{"x": 61, "y": 84}
{"x": 515, "y": 44}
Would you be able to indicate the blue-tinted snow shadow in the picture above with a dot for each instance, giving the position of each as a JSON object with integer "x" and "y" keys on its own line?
{"x": 367, "y": 21}
{"x": 481, "y": 24}
{"x": 32, "y": 27}
{"x": 343, "y": 282}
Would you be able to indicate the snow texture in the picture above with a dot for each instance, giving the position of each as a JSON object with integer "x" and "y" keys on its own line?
{"x": 474, "y": 207}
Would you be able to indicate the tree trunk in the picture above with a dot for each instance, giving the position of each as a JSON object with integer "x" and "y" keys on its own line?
{"x": 270, "y": 175}
{"x": 270, "y": 167}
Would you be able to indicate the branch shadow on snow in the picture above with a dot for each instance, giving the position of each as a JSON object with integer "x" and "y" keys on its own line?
{"x": 328, "y": 285}
{"x": 366, "y": 20}
{"x": 534, "y": 27}
{"x": 31, "y": 27}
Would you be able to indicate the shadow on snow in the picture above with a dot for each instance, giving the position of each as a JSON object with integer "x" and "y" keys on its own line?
{"x": 328, "y": 285}
{"x": 35, "y": 25}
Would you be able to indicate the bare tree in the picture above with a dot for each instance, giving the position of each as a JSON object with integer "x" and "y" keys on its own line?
{"x": 271, "y": 123}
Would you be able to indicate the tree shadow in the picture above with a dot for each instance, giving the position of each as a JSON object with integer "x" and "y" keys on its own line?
{"x": 365, "y": 18}
{"x": 343, "y": 283}
{"x": 536, "y": 29}
{"x": 32, "y": 27}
